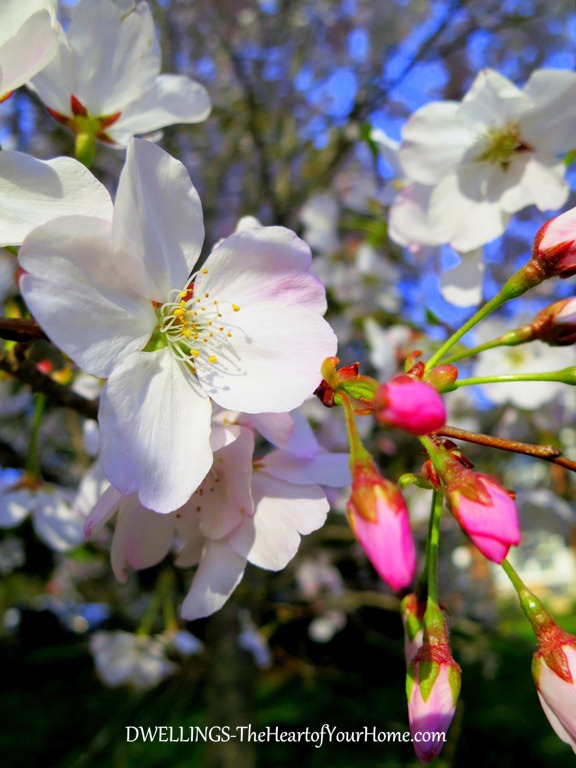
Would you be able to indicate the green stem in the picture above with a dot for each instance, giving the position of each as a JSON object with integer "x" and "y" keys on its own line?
{"x": 33, "y": 459}
{"x": 537, "y": 615}
{"x": 562, "y": 376}
{"x": 527, "y": 277}
{"x": 432, "y": 545}
{"x": 357, "y": 450}
{"x": 510, "y": 339}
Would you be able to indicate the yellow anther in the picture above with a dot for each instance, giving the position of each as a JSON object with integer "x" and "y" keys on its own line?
{"x": 195, "y": 352}
{"x": 229, "y": 335}
{"x": 179, "y": 312}
{"x": 206, "y": 295}
{"x": 235, "y": 307}
{"x": 204, "y": 271}
{"x": 186, "y": 332}
{"x": 212, "y": 359}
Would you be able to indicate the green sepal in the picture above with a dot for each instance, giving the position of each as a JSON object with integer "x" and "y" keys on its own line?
{"x": 409, "y": 478}
{"x": 455, "y": 681}
{"x": 361, "y": 388}
{"x": 428, "y": 672}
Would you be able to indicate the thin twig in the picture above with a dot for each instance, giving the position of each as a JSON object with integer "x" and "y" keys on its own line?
{"x": 547, "y": 452}
{"x": 17, "y": 329}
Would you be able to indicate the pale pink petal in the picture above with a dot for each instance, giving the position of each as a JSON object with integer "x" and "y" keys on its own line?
{"x": 273, "y": 361}
{"x": 117, "y": 54}
{"x": 558, "y": 698}
{"x": 266, "y": 264}
{"x": 537, "y": 180}
{"x": 171, "y": 99}
{"x": 225, "y": 495}
{"x": 283, "y": 511}
{"x": 274, "y": 427}
{"x": 302, "y": 441}
{"x": 219, "y": 573}
{"x": 155, "y": 430}
{"x": 75, "y": 292}
{"x": 158, "y": 228}
{"x": 330, "y": 469}
{"x": 141, "y": 538}
{"x": 33, "y": 192}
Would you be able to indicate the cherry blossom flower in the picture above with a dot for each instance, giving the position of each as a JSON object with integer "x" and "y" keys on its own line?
{"x": 29, "y": 37}
{"x": 123, "y": 658}
{"x": 554, "y": 245}
{"x": 245, "y": 330}
{"x": 492, "y": 154}
{"x": 240, "y": 513}
{"x": 105, "y": 78}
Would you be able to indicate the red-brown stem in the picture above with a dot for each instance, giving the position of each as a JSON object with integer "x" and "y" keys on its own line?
{"x": 17, "y": 329}
{"x": 547, "y": 452}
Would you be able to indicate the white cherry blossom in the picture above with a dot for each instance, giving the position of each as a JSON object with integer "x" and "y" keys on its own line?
{"x": 105, "y": 77}
{"x": 117, "y": 296}
{"x": 492, "y": 154}
{"x": 29, "y": 36}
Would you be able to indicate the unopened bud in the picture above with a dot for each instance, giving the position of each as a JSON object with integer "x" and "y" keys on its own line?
{"x": 555, "y": 247}
{"x": 379, "y": 519}
{"x": 409, "y": 404}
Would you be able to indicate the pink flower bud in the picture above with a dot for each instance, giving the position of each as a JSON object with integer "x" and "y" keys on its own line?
{"x": 432, "y": 689}
{"x": 486, "y": 513}
{"x": 555, "y": 246}
{"x": 409, "y": 404}
{"x": 379, "y": 520}
{"x": 554, "y": 671}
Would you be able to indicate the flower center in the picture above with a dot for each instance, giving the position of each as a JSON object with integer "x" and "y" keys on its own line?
{"x": 501, "y": 144}
{"x": 195, "y": 329}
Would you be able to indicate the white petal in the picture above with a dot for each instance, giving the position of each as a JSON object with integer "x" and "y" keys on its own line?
{"x": 535, "y": 180}
{"x": 57, "y": 82}
{"x": 410, "y": 223}
{"x": 32, "y": 43}
{"x": 462, "y": 285}
{"x": 158, "y": 224}
{"x": 434, "y": 140}
{"x": 75, "y": 291}
{"x": 56, "y": 523}
{"x": 155, "y": 430}
{"x": 283, "y": 511}
{"x": 15, "y": 506}
{"x": 262, "y": 264}
{"x": 302, "y": 441}
{"x": 117, "y": 54}
{"x": 109, "y": 502}
{"x": 492, "y": 101}
{"x": 219, "y": 573}
{"x": 273, "y": 361}
{"x": 551, "y": 121}
{"x": 464, "y": 222}
{"x": 33, "y": 192}
{"x": 141, "y": 538}
{"x": 171, "y": 99}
